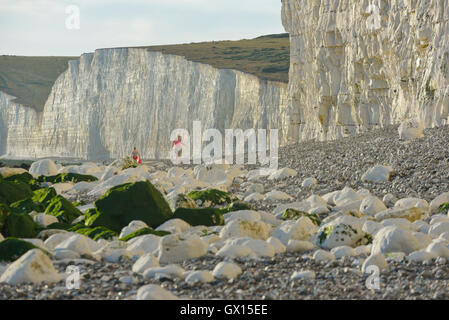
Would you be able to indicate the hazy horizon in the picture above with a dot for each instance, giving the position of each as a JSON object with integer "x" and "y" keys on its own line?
{"x": 39, "y": 27}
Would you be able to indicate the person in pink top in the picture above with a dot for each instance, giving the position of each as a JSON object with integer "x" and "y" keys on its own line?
{"x": 177, "y": 145}
{"x": 136, "y": 156}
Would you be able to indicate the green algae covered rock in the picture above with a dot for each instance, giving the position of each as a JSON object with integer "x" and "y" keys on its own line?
{"x": 68, "y": 177}
{"x": 38, "y": 202}
{"x": 4, "y": 213}
{"x": 238, "y": 206}
{"x": 90, "y": 216}
{"x": 20, "y": 225}
{"x": 212, "y": 196}
{"x": 60, "y": 226}
{"x": 97, "y": 233}
{"x": 26, "y": 206}
{"x": 25, "y": 178}
{"x": 12, "y": 249}
{"x": 125, "y": 203}
{"x": 62, "y": 209}
{"x": 183, "y": 201}
{"x": 144, "y": 231}
{"x": 200, "y": 217}
{"x": 44, "y": 196}
{"x": 443, "y": 208}
{"x": 293, "y": 214}
{"x": 13, "y": 191}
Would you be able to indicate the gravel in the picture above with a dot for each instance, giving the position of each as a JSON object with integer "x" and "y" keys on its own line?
{"x": 421, "y": 170}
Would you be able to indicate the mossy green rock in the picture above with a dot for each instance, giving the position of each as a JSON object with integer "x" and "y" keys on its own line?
{"x": 183, "y": 201}
{"x": 39, "y": 202}
{"x": 62, "y": 209}
{"x": 4, "y": 213}
{"x": 90, "y": 216}
{"x": 13, "y": 191}
{"x": 97, "y": 233}
{"x": 12, "y": 249}
{"x": 44, "y": 196}
{"x": 60, "y": 226}
{"x": 144, "y": 231}
{"x": 200, "y": 217}
{"x": 26, "y": 206}
{"x": 25, "y": 178}
{"x": 443, "y": 208}
{"x": 213, "y": 196}
{"x": 21, "y": 226}
{"x": 68, "y": 177}
{"x": 238, "y": 206}
{"x": 293, "y": 214}
{"x": 132, "y": 201}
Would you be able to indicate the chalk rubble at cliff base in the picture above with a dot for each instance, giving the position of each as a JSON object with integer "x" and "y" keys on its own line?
{"x": 335, "y": 235}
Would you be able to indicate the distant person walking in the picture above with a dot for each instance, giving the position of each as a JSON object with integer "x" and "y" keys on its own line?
{"x": 136, "y": 156}
{"x": 177, "y": 146}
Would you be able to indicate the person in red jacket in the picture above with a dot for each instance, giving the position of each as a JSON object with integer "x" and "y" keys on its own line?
{"x": 177, "y": 145}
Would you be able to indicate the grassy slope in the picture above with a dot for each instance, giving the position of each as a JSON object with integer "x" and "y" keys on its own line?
{"x": 30, "y": 79}
{"x": 267, "y": 57}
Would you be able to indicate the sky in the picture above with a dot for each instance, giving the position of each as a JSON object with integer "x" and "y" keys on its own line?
{"x": 74, "y": 27}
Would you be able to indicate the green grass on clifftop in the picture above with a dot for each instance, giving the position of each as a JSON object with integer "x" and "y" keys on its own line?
{"x": 267, "y": 57}
{"x": 30, "y": 79}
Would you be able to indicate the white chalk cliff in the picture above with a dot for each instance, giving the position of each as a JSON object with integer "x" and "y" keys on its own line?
{"x": 355, "y": 65}
{"x": 364, "y": 64}
{"x": 114, "y": 99}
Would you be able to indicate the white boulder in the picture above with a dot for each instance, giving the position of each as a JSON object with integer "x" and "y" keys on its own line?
{"x": 172, "y": 270}
{"x": 226, "y": 270}
{"x": 154, "y": 292}
{"x": 412, "y": 214}
{"x": 282, "y": 174}
{"x": 394, "y": 239}
{"x": 411, "y": 129}
{"x": 199, "y": 276}
{"x": 234, "y": 251}
{"x": 378, "y": 174}
{"x": 242, "y": 228}
{"x": 44, "y": 220}
{"x": 133, "y": 226}
{"x": 45, "y": 167}
{"x": 438, "y": 201}
{"x": 260, "y": 247}
{"x": 145, "y": 262}
{"x": 323, "y": 256}
{"x": 174, "y": 226}
{"x": 343, "y": 251}
{"x": 300, "y": 246}
{"x": 308, "y": 182}
{"x": 303, "y": 275}
{"x": 372, "y": 205}
{"x": 277, "y": 245}
{"x": 377, "y": 260}
{"x": 176, "y": 248}
{"x": 254, "y": 197}
{"x": 437, "y": 229}
{"x": 142, "y": 245}
{"x": 34, "y": 266}
{"x": 346, "y": 196}
{"x": 276, "y": 195}
{"x": 300, "y": 229}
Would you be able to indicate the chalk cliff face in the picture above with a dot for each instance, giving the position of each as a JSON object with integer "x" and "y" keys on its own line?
{"x": 364, "y": 64}
{"x": 114, "y": 99}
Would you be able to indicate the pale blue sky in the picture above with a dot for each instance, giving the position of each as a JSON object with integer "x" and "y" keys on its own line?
{"x": 38, "y": 27}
